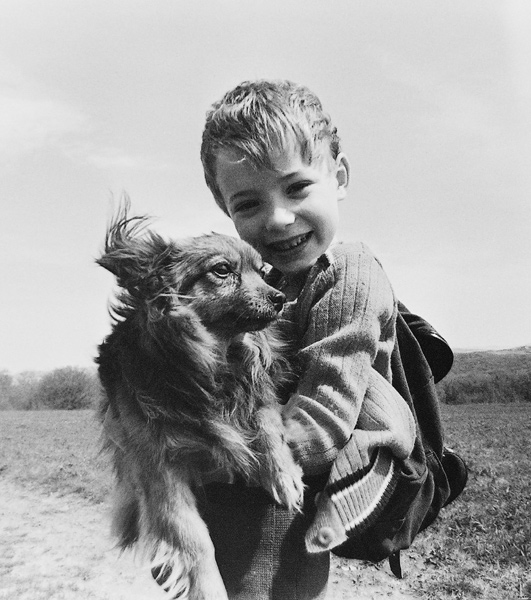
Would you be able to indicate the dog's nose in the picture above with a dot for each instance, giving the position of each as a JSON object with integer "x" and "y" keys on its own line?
{"x": 277, "y": 299}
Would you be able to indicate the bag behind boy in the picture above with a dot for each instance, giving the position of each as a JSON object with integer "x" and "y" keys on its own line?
{"x": 432, "y": 476}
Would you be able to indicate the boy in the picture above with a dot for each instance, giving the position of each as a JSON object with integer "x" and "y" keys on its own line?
{"x": 273, "y": 162}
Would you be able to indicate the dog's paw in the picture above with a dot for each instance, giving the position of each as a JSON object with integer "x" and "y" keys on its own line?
{"x": 210, "y": 590}
{"x": 201, "y": 582}
{"x": 171, "y": 579}
{"x": 285, "y": 485}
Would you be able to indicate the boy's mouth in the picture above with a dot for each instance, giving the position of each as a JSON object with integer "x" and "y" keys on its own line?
{"x": 289, "y": 244}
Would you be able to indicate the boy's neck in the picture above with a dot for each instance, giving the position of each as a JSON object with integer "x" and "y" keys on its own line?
{"x": 291, "y": 285}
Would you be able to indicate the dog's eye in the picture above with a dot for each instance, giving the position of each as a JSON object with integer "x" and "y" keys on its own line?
{"x": 221, "y": 270}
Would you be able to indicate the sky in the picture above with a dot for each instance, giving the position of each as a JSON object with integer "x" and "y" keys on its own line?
{"x": 432, "y": 101}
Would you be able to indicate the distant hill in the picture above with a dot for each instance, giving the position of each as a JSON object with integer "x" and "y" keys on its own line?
{"x": 492, "y": 360}
{"x": 518, "y": 350}
{"x": 489, "y": 376}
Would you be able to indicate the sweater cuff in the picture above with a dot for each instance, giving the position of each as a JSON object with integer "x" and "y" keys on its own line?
{"x": 352, "y": 501}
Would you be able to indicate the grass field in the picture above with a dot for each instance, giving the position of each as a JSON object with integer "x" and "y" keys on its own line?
{"x": 481, "y": 545}
{"x": 479, "y": 548}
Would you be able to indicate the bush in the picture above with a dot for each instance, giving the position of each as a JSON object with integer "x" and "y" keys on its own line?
{"x": 24, "y": 388}
{"x": 6, "y": 388}
{"x": 17, "y": 391}
{"x": 68, "y": 388}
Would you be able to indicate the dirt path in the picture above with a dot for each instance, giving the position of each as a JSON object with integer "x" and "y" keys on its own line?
{"x": 56, "y": 547}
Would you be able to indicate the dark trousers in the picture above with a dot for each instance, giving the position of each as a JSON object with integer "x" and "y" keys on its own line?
{"x": 260, "y": 546}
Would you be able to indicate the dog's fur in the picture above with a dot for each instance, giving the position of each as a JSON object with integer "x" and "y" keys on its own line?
{"x": 190, "y": 374}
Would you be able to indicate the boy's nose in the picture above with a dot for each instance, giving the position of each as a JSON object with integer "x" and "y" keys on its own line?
{"x": 280, "y": 216}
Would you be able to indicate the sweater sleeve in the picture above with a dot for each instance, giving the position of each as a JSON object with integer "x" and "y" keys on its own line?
{"x": 366, "y": 471}
{"x": 346, "y": 316}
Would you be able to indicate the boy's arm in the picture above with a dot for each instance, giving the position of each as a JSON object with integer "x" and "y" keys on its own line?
{"x": 366, "y": 471}
{"x": 346, "y": 318}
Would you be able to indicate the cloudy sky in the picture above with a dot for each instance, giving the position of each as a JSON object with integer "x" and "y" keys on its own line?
{"x": 432, "y": 100}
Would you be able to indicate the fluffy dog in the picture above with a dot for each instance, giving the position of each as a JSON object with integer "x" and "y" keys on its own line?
{"x": 190, "y": 374}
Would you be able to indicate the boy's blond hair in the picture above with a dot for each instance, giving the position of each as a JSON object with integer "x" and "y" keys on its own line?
{"x": 257, "y": 117}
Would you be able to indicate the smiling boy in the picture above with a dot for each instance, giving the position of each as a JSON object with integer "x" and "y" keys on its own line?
{"x": 273, "y": 162}
{"x": 289, "y": 213}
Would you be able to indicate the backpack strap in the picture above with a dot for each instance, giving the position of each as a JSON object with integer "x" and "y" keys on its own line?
{"x": 435, "y": 348}
{"x": 394, "y": 564}
{"x": 422, "y": 487}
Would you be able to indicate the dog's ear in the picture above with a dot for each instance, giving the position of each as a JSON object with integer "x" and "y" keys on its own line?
{"x": 136, "y": 258}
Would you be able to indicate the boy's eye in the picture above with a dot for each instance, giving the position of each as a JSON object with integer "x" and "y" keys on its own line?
{"x": 298, "y": 187}
{"x": 221, "y": 270}
{"x": 244, "y": 205}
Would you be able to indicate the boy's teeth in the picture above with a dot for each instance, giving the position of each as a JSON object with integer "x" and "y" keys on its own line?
{"x": 293, "y": 243}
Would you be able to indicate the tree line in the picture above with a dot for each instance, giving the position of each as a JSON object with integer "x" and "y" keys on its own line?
{"x": 67, "y": 388}
{"x": 486, "y": 388}
{"x": 487, "y": 377}
{"x": 476, "y": 377}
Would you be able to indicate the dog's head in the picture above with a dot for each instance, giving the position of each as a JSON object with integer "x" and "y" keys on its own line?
{"x": 217, "y": 276}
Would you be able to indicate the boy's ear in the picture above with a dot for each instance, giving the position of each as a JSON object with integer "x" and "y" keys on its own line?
{"x": 342, "y": 174}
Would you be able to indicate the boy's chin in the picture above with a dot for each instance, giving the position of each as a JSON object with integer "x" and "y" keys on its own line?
{"x": 294, "y": 268}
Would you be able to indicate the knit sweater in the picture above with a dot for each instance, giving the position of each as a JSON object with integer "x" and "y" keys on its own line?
{"x": 345, "y": 417}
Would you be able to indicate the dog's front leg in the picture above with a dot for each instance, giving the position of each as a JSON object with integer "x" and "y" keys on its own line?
{"x": 279, "y": 473}
{"x": 177, "y": 537}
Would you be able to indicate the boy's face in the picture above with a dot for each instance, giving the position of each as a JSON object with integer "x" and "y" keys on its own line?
{"x": 290, "y": 213}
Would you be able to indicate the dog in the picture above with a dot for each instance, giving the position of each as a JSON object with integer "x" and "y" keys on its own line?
{"x": 190, "y": 376}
